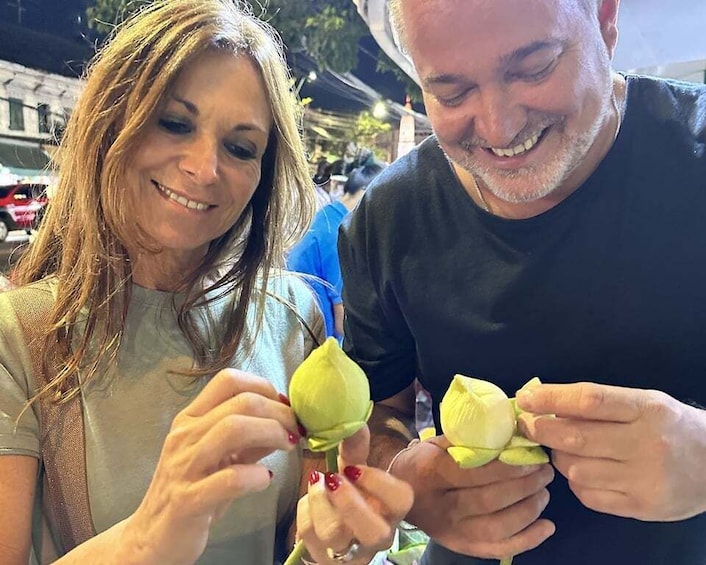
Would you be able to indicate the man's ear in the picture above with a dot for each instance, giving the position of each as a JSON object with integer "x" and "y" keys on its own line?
{"x": 608, "y": 20}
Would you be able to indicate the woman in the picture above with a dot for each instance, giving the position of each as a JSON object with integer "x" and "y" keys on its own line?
{"x": 182, "y": 180}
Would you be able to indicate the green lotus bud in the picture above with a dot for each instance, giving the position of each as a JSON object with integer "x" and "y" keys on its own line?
{"x": 480, "y": 421}
{"x": 330, "y": 396}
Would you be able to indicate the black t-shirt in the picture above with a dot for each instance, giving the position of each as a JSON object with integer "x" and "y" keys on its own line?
{"x": 608, "y": 286}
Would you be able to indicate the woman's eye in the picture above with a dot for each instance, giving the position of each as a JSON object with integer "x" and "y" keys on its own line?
{"x": 174, "y": 126}
{"x": 240, "y": 151}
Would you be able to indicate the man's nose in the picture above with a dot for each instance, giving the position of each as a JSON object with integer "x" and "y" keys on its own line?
{"x": 200, "y": 160}
{"x": 498, "y": 119}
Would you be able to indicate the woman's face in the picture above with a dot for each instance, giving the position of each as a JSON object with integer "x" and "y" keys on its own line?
{"x": 200, "y": 160}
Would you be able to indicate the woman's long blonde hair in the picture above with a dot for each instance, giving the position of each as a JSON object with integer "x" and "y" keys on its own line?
{"x": 89, "y": 224}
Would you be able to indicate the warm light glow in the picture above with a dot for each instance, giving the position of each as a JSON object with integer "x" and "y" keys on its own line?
{"x": 379, "y": 110}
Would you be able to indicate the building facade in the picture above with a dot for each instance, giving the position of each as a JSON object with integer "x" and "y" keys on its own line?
{"x": 34, "y": 107}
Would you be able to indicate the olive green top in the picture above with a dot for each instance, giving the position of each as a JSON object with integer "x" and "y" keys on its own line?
{"x": 129, "y": 410}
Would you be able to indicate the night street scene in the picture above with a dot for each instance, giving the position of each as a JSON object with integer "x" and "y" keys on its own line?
{"x": 363, "y": 282}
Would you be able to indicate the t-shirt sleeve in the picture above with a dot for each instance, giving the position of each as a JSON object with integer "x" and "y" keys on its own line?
{"x": 375, "y": 333}
{"x": 17, "y": 437}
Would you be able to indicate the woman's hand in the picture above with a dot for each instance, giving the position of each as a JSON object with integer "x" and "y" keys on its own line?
{"x": 210, "y": 458}
{"x": 358, "y": 508}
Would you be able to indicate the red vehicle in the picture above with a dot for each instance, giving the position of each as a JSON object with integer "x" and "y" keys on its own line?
{"x": 20, "y": 206}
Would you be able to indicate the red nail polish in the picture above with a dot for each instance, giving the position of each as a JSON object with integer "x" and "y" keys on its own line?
{"x": 301, "y": 429}
{"x": 332, "y": 481}
{"x": 270, "y": 473}
{"x": 352, "y": 473}
{"x": 293, "y": 438}
{"x": 284, "y": 400}
{"x": 313, "y": 478}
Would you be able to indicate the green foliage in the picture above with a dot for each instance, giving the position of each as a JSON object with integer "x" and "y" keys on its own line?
{"x": 367, "y": 127}
{"x": 387, "y": 65}
{"x": 367, "y": 131}
{"x": 103, "y": 15}
{"x": 328, "y": 30}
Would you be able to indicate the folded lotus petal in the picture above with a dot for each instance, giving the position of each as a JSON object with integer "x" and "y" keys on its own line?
{"x": 468, "y": 457}
{"x": 524, "y": 456}
{"x": 326, "y": 439}
{"x": 321, "y": 445}
{"x": 520, "y": 441}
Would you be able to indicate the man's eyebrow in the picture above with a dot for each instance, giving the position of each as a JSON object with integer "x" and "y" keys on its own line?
{"x": 515, "y": 56}
{"x": 446, "y": 78}
{"x": 523, "y": 52}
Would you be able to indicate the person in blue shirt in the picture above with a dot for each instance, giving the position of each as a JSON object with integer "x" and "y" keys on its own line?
{"x": 316, "y": 254}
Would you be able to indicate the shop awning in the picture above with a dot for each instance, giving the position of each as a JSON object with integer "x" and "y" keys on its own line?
{"x": 23, "y": 158}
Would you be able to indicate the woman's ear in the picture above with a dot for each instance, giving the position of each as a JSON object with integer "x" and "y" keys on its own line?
{"x": 608, "y": 21}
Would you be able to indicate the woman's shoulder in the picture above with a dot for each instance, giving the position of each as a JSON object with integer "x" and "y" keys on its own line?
{"x": 290, "y": 285}
{"x": 27, "y": 301}
{"x": 287, "y": 290}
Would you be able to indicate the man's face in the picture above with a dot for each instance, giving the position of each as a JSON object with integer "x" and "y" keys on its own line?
{"x": 517, "y": 91}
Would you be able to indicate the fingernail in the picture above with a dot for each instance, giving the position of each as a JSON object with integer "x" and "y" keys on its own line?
{"x": 293, "y": 438}
{"x": 284, "y": 400}
{"x": 301, "y": 429}
{"x": 313, "y": 477}
{"x": 271, "y": 474}
{"x": 332, "y": 481}
{"x": 352, "y": 472}
{"x": 525, "y": 397}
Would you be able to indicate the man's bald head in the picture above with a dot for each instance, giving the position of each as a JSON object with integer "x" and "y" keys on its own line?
{"x": 395, "y": 10}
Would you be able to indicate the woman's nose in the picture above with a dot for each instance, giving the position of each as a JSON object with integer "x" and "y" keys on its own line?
{"x": 200, "y": 160}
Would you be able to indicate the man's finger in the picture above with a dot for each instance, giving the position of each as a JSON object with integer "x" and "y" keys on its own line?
{"x": 587, "y": 438}
{"x": 587, "y": 401}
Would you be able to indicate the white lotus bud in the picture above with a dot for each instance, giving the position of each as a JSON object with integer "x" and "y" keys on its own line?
{"x": 479, "y": 420}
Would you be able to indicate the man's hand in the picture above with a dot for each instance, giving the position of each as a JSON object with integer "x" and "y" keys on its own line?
{"x": 490, "y": 512}
{"x": 628, "y": 452}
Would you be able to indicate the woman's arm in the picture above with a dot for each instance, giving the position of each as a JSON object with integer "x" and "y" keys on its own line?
{"x": 114, "y": 546}
{"x": 18, "y": 476}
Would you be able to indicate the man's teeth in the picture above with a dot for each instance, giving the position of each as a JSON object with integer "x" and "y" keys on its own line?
{"x": 526, "y": 146}
{"x": 191, "y": 204}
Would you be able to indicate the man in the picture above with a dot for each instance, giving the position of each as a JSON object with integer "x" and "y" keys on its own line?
{"x": 316, "y": 254}
{"x": 552, "y": 226}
